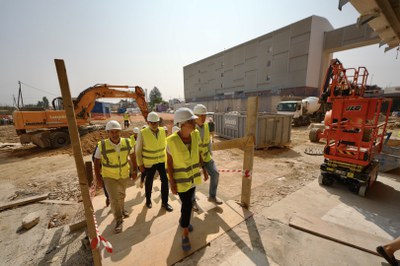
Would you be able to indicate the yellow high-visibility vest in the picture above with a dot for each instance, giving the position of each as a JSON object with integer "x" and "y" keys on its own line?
{"x": 205, "y": 142}
{"x": 126, "y": 116}
{"x": 153, "y": 150}
{"x": 115, "y": 165}
{"x": 186, "y": 164}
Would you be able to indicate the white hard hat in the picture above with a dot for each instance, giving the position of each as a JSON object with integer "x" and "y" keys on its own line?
{"x": 113, "y": 125}
{"x": 136, "y": 130}
{"x": 175, "y": 129}
{"x": 200, "y": 110}
{"x": 153, "y": 117}
{"x": 184, "y": 114}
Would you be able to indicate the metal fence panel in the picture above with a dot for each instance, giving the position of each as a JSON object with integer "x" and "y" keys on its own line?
{"x": 273, "y": 130}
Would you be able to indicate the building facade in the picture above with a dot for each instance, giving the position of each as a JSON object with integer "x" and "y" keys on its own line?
{"x": 282, "y": 63}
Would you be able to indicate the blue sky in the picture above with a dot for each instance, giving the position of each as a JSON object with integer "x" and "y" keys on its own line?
{"x": 147, "y": 43}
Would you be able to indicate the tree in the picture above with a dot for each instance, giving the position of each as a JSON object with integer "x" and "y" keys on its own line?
{"x": 43, "y": 103}
{"x": 155, "y": 97}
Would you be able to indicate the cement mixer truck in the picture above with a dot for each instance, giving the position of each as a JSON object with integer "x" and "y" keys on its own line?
{"x": 304, "y": 112}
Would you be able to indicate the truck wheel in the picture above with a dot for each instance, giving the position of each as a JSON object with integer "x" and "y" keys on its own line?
{"x": 362, "y": 190}
{"x": 59, "y": 139}
{"x": 314, "y": 134}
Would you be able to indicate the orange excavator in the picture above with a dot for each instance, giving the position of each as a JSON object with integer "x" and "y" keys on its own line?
{"x": 49, "y": 128}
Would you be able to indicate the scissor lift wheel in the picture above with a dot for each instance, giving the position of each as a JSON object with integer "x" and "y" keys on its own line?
{"x": 362, "y": 190}
{"x": 325, "y": 180}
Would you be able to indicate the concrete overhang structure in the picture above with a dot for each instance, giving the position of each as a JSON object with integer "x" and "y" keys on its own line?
{"x": 383, "y": 16}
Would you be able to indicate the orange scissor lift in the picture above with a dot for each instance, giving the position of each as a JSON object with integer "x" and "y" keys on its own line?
{"x": 355, "y": 128}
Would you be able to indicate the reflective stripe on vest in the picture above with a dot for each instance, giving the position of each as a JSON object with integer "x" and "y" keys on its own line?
{"x": 186, "y": 167}
{"x": 205, "y": 142}
{"x": 115, "y": 165}
{"x": 153, "y": 150}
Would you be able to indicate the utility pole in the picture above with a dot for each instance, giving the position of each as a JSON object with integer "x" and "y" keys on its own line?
{"x": 20, "y": 96}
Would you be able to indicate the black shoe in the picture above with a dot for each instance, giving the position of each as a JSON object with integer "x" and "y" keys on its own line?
{"x": 167, "y": 207}
{"x": 149, "y": 205}
{"x": 118, "y": 227}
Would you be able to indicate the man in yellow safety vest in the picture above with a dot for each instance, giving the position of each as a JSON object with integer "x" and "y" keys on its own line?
{"x": 126, "y": 119}
{"x": 116, "y": 161}
{"x": 205, "y": 148}
{"x": 150, "y": 156}
{"x": 183, "y": 165}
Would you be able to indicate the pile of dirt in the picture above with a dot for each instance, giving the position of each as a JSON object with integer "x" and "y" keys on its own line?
{"x": 8, "y": 134}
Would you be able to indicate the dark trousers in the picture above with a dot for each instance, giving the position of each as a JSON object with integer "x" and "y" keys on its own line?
{"x": 150, "y": 172}
{"x": 143, "y": 176}
{"x": 186, "y": 208}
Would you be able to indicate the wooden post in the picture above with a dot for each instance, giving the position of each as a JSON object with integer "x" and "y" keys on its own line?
{"x": 89, "y": 172}
{"x": 251, "y": 124}
{"x": 77, "y": 150}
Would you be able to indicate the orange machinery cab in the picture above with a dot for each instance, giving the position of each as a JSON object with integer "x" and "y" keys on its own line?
{"x": 33, "y": 120}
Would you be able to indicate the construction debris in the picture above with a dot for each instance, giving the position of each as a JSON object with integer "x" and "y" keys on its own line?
{"x": 30, "y": 220}
{"x": 23, "y": 201}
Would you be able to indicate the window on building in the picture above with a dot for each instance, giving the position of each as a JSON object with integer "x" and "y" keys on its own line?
{"x": 268, "y": 78}
{"x": 222, "y": 74}
{"x": 199, "y": 89}
{"x": 268, "y": 63}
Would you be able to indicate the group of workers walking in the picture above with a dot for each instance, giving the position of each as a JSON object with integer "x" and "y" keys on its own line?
{"x": 178, "y": 158}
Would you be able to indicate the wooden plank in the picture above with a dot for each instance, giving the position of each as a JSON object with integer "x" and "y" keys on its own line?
{"x": 338, "y": 233}
{"x": 147, "y": 230}
{"x": 138, "y": 243}
{"x": 21, "y": 202}
{"x": 233, "y": 143}
{"x": 77, "y": 151}
{"x": 77, "y": 226}
{"x": 61, "y": 202}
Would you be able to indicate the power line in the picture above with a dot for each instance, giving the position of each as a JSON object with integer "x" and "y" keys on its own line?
{"x": 38, "y": 89}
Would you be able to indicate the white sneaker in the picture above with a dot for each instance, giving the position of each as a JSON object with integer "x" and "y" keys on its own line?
{"x": 195, "y": 207}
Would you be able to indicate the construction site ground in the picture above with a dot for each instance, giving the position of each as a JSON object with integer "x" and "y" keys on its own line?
{"x": 285, "y": 196}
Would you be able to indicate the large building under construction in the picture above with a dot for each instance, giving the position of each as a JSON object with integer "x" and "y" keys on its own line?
{"x": 288, "y": 62}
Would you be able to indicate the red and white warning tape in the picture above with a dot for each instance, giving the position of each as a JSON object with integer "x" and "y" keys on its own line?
{"x": 245, "y": 173}
{"x": 230, "y": 171}
{"x": 95, "y": 242}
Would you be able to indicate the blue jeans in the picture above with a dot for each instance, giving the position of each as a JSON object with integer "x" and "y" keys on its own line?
{"x": 212, "y": 171}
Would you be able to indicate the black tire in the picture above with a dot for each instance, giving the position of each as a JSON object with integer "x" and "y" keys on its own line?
{"x": 59, "y": 139}
{"x": 326, "y": 180}
{"x": 313, "y": 135}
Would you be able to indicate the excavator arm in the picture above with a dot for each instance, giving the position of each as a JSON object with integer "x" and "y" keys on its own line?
{"x": 84, "y": 104}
